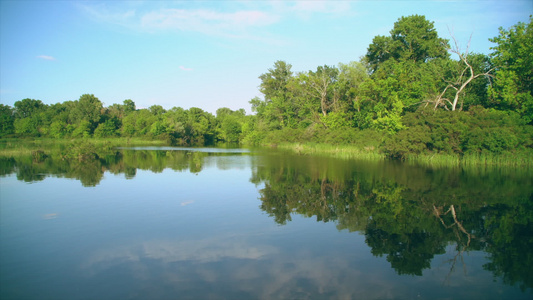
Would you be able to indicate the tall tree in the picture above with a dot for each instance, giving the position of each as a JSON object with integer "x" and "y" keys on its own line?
{"x": 27, "y": 107}
{"x": 87, "y": 108}
{"x": 412, "y": 38}
{"x": 513, "y": 59}
{"x": 276, "y": 108}
{"x": 321, "y": 86}
{"x": 7, "y": 119}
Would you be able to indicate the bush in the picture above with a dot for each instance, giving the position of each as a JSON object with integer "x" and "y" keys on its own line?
{"x": 411, "y": 141}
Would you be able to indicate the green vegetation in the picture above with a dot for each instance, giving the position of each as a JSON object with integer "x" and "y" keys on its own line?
{"x": 411, "y": 97}
{"x": 408, "y": 214}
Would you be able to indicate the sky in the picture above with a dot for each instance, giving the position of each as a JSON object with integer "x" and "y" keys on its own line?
{"x": 206, "y": 54}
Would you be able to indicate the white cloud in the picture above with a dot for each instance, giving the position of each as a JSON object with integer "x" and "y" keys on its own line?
{"x": 103, "y": 13}
{"x": 185, "y": 69}
{"x": 321, "y": 6}
{"x": 46, "y": 57}
{"x": 305, "y": 9}
{"x": 205, "y": 21}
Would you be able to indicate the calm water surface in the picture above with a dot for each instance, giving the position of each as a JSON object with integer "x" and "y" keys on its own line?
{"x": 174, "y": 223}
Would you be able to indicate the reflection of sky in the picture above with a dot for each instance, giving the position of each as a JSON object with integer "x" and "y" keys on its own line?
{"x": 136, "y": 239}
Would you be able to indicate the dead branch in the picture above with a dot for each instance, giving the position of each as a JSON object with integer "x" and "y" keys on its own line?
{"x": 462, "y": 80}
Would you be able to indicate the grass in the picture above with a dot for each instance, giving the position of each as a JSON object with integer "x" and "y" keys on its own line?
{"x": 524, "y": 159}
{"x": 340, "y": 151}
{"x": 471, "y": 160}
{"x": 25, "y": 147}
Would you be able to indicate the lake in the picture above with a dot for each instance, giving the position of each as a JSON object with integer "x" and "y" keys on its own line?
{"x": 214, "y": 223}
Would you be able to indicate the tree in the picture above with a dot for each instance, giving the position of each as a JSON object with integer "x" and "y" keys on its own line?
{"x": 321, "y": 86}
{"x": 157, "y": 110}
{"x": 106, "y": 129}
{"x": 27, "y": 107}
{"x": 274, "y": 82}
{"x": 87, "y": 108}
{"x": 412, "y": 38}
{"x": 7, "y": 119}
{"x": 513, "y": 59}
{"x": 229, "y": 124}
{"x": 129, "y": 106}
{"x": 402, "y": 76}
{"x": 277, "y": 108}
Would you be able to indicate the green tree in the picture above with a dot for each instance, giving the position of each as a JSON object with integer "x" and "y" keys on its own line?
{"x": 87, "y": 108}
{"x": 107, "y": 129}
{"x": 276, "y": 108}
{"x": 129, "y": 106}
{"x": 58, "y": 129}
{"x": 157, "y": 110}
{"x": 322, "y": 86}
{"x": 7, "y": 119}
{"x": 412, "y": 38}
{"x": 229, "y": 124}
{"x": 513, "y": 59}
{"x": 28, "y": 107}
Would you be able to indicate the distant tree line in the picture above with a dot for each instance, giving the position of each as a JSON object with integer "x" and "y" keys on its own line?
{"x": 407, "y": 92}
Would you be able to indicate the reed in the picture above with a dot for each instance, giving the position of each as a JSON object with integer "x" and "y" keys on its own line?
{"x": 339, "y": 151}
{"x": 521, "y": 159}
{"x": 473, "y": 160}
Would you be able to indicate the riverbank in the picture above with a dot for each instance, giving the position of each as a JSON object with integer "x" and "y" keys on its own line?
{"x": 518, "y": 159}
{"x": 80, "y": 147}
{"x": 14, "y": 147}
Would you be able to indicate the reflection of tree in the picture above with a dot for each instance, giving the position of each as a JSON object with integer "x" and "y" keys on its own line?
{"x": 7, "y": 165}
{"x": 408, "y": 253}
{"x": 410, "y": 214}
{"x": 511, "y": 242}
{"x": 89, "y": 168}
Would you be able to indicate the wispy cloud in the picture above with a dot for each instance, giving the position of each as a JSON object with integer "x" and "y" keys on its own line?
{"x": 305, "y": 9}
{"x": 46, "y": 57}
{"x": 206, "y": 21}
{"x": 185, "y": 69}
{"x": 103, "y": 13}
{"x": 243, "y": 20}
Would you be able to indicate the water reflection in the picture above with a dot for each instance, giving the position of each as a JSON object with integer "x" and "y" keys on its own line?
{"x": 417, "y": 219}
{"x": 90, "y": 172}
{"x": 410, "y": 214}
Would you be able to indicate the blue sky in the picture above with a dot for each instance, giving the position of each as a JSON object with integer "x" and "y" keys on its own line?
{"x": 205, "y": 54}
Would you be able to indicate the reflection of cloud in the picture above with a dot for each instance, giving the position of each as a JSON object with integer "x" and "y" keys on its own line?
{"x": 50, "y": 216}
{"x": 203, "y": 251}
{"x": 259, "y": 271}
{"x": 226, "y": 265}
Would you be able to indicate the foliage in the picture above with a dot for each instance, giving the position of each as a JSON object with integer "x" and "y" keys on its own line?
{"x": 7, "y": 119}
{"x": 413, "y": 38}
{"x": 392, "y": 99}
{"x": 513, "y": 59}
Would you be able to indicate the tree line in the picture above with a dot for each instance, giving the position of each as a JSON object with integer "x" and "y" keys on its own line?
{"x": 408, "y": 92}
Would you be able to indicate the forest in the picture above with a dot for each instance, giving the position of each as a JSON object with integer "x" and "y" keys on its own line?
{"x": 413, "y": 93}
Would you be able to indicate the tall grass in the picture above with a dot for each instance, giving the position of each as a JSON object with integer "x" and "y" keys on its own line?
{"x": 524, "y": 159}
{"x": 340, "y": 151}
{"x": 471, "y": 160}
